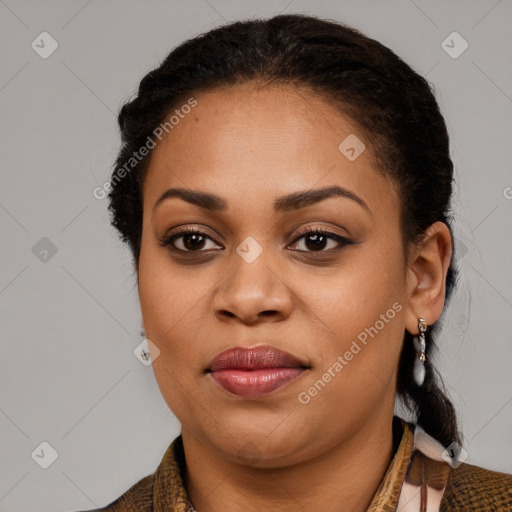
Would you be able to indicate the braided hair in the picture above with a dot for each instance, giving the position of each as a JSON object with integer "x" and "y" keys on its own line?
{"x": 393, "y": 105}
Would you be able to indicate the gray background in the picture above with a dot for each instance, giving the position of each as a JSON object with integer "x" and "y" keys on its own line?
{"x": 70, "y": 320}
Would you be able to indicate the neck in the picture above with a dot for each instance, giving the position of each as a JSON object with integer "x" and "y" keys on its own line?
{"x": 345, "y": 478}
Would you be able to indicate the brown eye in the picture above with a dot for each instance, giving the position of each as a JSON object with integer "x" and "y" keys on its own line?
{"x": 189, "y": 240}
{"x": 317, "y": 240}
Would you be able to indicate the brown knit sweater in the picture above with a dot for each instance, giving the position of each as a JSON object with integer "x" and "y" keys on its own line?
{"x": 469, "y": 488}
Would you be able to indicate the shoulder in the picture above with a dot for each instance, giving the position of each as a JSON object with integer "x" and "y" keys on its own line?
{"x": 165, "y": 483}
{"x": 138, "y": 498}
{"x": 473, "y": 489}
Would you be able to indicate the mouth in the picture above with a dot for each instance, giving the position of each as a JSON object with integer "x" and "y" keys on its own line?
{"x": 255, "y": 372}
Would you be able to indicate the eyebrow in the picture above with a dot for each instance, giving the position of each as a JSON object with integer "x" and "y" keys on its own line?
{"x": 290, "y": 202}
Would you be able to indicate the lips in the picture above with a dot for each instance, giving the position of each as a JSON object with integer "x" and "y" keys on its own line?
{"x": 255, "y": 372}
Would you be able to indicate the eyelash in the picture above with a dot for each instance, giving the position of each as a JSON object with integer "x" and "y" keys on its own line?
{"x": 167, "y": 241}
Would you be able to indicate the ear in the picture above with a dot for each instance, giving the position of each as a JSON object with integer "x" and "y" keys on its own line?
{"x": 428, "y": 264}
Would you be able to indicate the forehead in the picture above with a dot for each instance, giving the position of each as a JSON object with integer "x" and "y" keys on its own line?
{"x": 247, "y": 142}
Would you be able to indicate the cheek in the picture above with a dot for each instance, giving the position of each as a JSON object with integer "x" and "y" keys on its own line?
{"x": 170, "y": 304}
{"x": 359, "y": 317}
{"x": 166, "y": 296}
{"x": 353, "y": 297}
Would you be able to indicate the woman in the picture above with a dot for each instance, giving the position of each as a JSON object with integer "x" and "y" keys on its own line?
{"x": 284, "y": 186}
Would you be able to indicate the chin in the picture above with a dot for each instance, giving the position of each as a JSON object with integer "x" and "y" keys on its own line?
{"x": 261, "y": 445}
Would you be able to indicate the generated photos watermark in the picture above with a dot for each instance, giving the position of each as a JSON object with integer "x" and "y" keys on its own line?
{"x": 305, "y": 397}
{"x": 143, "y": 151}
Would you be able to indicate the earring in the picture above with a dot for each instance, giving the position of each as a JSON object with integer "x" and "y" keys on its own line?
{"x": 419, "y": 345}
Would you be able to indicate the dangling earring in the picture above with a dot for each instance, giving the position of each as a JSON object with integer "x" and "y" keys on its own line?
{"x": 419, "y": 345}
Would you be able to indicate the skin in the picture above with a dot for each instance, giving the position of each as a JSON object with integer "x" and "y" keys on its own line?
{"x": 251, "y": 145}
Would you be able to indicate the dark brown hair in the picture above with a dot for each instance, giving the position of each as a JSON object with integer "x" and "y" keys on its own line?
{"x": 394, "y": 106}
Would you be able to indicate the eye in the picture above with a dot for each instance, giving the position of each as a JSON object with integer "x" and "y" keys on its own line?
{"x": 187, "y": 240}
{"x": 316, "y": 240}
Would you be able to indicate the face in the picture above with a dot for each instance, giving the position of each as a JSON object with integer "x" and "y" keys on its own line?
{"x": 253, "y": 272}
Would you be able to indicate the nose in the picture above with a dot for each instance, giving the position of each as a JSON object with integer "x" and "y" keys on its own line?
{"x": 252, "y": 292}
